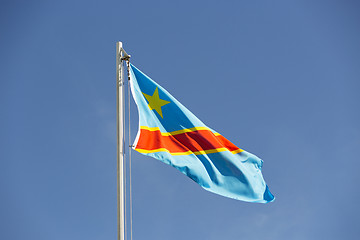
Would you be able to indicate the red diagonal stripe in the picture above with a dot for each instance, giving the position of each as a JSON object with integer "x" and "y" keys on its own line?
{"x": 194, "y": 141}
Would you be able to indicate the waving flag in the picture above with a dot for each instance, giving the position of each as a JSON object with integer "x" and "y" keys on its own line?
{"x": 172, "y": 134}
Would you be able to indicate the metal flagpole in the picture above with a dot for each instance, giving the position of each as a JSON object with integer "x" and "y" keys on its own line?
{"x": 120, "y": 142}
{"x": 120, "y": 123}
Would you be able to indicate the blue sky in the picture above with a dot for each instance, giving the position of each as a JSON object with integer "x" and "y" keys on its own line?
{"x": 279, "y": 79}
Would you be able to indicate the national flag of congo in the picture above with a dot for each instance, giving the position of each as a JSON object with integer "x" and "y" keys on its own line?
{"x": 170, "y": 133}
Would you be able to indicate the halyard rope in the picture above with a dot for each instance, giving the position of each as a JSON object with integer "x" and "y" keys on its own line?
{"x": 130, "y": 149}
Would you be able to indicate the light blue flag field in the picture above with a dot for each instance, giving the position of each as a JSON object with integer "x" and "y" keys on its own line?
{"x": 170, "y": 133}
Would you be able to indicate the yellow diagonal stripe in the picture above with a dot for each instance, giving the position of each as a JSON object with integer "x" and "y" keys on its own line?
{"x": 178, "y": 131}
{"x": 184, "y": 153}
{"x": 189, "y": 152}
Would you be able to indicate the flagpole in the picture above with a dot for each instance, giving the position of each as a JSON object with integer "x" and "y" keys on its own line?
{"x": 120, "y": 142}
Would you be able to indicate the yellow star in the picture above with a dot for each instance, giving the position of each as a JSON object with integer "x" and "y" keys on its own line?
{"x": 155, "y": 103}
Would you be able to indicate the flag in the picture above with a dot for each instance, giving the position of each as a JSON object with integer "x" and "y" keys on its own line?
{"x": 170, "y": 133}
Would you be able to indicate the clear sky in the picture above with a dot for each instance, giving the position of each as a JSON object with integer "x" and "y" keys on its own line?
{"x": 278, "y": 78}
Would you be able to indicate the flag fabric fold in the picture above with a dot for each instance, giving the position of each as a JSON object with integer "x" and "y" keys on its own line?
{"x": 170, "y": 133}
